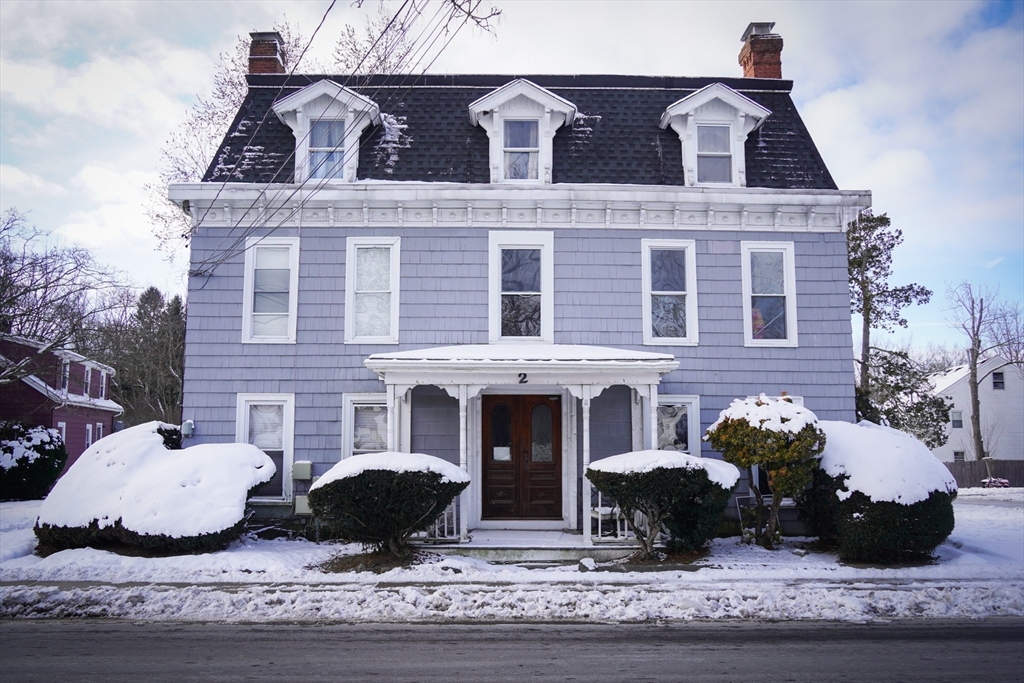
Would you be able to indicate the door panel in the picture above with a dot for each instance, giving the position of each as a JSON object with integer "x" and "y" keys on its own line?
{"x": 522, "y": 457}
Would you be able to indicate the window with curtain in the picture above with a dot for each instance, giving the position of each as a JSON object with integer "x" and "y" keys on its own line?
{"x": 327, "y": 149}
{"x": 522, "y": 150}
{"x": 769, "y": 297}
{"x": 266, "y": 432}
{"x": 371, "y": 296}
{"x": 271, "y": 291}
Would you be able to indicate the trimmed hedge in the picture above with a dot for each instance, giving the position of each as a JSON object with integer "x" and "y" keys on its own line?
{"x": 380, "y": 508}
{"x": 877, "y": 532}
{"x": 27, "y": 479}
{"x": 684, "y": 501}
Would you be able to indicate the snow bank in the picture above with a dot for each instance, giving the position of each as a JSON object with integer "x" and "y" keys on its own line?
{"x": 391, "y": 461}
{"x": 765, "y": 412}
{"x": 720, "y": 472}
{"x": 884, "y": 464}
{"x": 131, "y": 476}
{"x": 11, "y": 451}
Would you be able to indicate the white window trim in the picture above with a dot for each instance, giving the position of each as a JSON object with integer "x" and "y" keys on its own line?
{"x": 534, "y": 239}
{"x": 103, "y": 385}
{"x": 88, "y": 381}
{"x": 88, "y": 435}
{"x": 293, "y": 288}
{"x": 349, "y": 403}
{"x": 62, "y": 427}
{"x": 692, "y": 416}
{"x": 692, "y": 329}
{"x": 953, "y": 420}
{"x": 99, "y": 431}
{"x": 305, "y": 151}
{"x": 351, "y": 244}
{"x": 787, "y": 249}
{"x": 243, "y": 401}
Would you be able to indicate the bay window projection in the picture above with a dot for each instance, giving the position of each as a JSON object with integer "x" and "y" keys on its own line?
{"x": 714, "y": 154}
{"x": 522, "y": 150}
{"x": 670, "y": 292}
{"x": 327, "y": 149}
{"x": 371, "y": 290}
{"x": 769, "y": 296}
{"x": 271, "y": 290}
{"x": 521, "y": 282}
{"x": 266, "y": 421}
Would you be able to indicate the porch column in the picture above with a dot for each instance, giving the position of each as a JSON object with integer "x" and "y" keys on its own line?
{"x": 654, "y": 416}
{"x": 392, "y": 418}
{"x": 463, "y": 463}
{"x": 587, "y": 540}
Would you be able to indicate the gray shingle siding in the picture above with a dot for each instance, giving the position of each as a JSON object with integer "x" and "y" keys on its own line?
{"x": 597, "y": 301}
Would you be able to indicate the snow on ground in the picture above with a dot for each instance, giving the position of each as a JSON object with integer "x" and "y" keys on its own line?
{"x": 979, "y": 572}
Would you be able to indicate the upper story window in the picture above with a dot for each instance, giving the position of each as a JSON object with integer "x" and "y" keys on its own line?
{"x": 998, "y": 380}
{"x": 65, "y": 375}
{"x": 88, "y": 381}
{"x": 520, "y": 286}
{"x": 713, "y": 124}
{"x": 327, "y": 149}
{"x": 521, "y": 119}
{"x": 956, "y": 418}
{"x": 270, "y": 298}
{"x": 103, "y": 385}
{"x": 372, "y": 290}
{"x": 670, "y": 292}
{"x": 327, "y": 121}
{"x": 769, "y": 294}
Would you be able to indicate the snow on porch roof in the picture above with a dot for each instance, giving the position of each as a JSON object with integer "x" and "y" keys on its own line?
{"x": 523, "y": 353}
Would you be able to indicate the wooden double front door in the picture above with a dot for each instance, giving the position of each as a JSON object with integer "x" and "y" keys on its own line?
{"x": 522, "y": 457}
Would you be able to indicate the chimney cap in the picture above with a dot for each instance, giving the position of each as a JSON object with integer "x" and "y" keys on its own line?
{"x": 757, "y": 28}
{"x": 266, "y": 35}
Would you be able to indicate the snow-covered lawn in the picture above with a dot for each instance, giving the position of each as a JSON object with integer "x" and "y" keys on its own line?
{"x": 979, "y": 572}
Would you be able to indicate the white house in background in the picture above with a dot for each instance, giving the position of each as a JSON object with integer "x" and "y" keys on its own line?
{"x": 1001, "y": 395}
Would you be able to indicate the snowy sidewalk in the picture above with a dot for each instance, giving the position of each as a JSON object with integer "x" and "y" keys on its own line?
{"x": 979, "y": 572}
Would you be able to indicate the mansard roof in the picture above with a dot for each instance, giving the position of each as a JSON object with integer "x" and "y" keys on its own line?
{"x": 614, "y": 138}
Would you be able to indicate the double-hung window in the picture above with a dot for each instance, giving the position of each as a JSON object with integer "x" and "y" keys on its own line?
{"x": 327, "y": 149}
{"x": 670, "y": 292}
{"x": 714, "y": 154}
{"x": 679, "y": 423}
{"x": 520, "y": 285}
{"x": 365, "y": 428}
{"x": 998, "y": 381}
{"x": 956, "y": 418}
{"x": 372, "y": 289}
{"x": 522, "y": 150}
{"x": 769, "y": 294}
{"x": 88, "y": 435}
{"x": 103, "y": 385}
{"x": 270, "y": 298}
{"x": 267, "y": 421}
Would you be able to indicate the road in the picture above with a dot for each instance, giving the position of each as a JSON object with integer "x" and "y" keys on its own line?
{"x": 155, "y": 652}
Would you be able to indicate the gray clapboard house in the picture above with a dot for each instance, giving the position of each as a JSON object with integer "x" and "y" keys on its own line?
{"x": 520, "y": 275}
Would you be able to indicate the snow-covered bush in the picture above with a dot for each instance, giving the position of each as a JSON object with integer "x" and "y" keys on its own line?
{"x": 134, "y": 488}
{"x": 381, "y": 499}
{"x": 880, "y": 494}
{"x": 680, "y": 492}
{"x": 779, "y": 437}
{"x": 31, "y": 459}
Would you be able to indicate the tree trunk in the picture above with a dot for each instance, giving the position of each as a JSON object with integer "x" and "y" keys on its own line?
{"x": 773, "y": 523}
{"x": 972, "y": 360}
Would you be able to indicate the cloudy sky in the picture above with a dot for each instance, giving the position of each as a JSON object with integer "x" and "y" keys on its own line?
{"x": 920, "y": 102}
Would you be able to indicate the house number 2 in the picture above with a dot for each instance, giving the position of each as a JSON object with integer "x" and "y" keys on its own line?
{"x": 522, "y": 378}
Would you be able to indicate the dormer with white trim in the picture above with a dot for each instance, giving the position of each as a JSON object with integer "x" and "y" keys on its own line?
{"x": 521, "y": 118}
{"x": 713, "y": 124}
{"x": 327, "y": 120}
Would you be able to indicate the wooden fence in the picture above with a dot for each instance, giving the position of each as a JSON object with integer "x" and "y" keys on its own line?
{"x": 969, "y": 474}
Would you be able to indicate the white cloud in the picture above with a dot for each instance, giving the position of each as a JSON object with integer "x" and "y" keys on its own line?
{"x": 994, "y": 262}
{"x": 15, "y": 181}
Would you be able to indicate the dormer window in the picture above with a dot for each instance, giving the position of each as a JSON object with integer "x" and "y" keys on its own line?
{"x": 521, "y": 119}
{"x": 522, "y": 150}
{"x": 327, "y": 149}
{"x": 327, "y": 120}
{"x": 713, "y": 124}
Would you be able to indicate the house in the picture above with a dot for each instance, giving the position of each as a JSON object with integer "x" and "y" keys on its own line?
{"x": 1001, "y": 398}
{"x": 63, "y": 391}
{"x": 520, "y": 275}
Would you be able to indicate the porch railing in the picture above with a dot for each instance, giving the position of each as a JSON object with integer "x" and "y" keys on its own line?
{"x": 608, "y": 523}
{"x": 444, "y": 530}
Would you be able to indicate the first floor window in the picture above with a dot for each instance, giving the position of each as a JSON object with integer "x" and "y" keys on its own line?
{"x": 679, "y": 423}
{"x": 958, "y": 456}
{"x": 88, "y": 435}
{"x": 522, "y": 150}
{"x": 99, "y": 431}
{"x": 271, "y": 289}
{"x": 957, "y": 419}
{"x": 521, "y": 281}
{"x": 372, "y": 289}
{"x": 267, "y": 422}
{"x": 998, "y": 380}
{"x": 365, "y": 424}
{"x": 769, "y": 293}
{"x": 62, "y": 427}
{"x": 670, "y": 292}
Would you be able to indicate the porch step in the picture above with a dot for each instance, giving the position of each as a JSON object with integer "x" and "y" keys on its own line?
{"x": 516, "y": 546}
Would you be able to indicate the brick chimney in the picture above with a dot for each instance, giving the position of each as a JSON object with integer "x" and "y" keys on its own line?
{"x": 265, "y": 53}
{"x": 761, "y": 54}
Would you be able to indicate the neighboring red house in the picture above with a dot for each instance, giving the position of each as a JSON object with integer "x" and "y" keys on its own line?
{"x": 65, "y": 391}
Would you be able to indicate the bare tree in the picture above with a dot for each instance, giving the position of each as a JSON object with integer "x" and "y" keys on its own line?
{"x": 991, "y": 328}
{"x": 381, "y": 48}
{"x": 49, "y": 293}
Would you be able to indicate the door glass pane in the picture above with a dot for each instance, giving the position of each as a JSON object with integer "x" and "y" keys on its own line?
{"x": 520, "y": 134}
{"x": 766, "y": 272}
{"x": 668, "y": 315}
{"x": 714, "y": 169}
{"x": 501, "y": 433}
{"x": 520, "y": 270}
{"x": 668, "y": 270}
{"x": 370, "y": 429}
{"x": 768, "y": 317}
{"x": 540, "y": 434}
{"x": 373, "y": 269}
{"x": 714, "y": 139}
{"x": 520, "y": 315}
{"x": 266, "y": 426}
{"x": 673, "y": 428}
{"x": 275, "y": 487}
